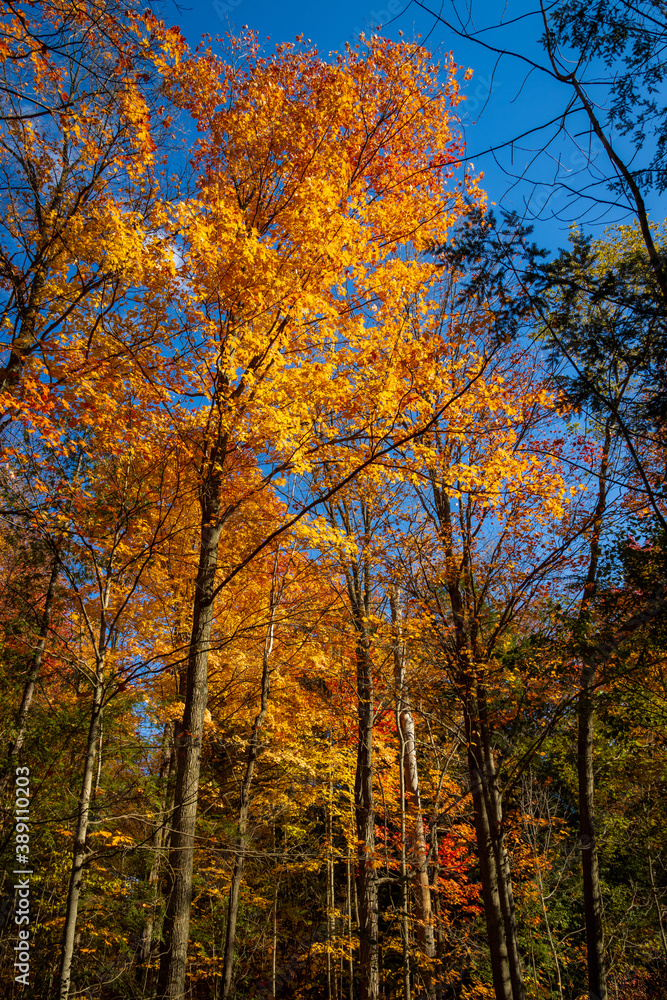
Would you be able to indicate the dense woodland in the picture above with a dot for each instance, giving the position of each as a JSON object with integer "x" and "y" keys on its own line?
{"x": 332, "y": 549}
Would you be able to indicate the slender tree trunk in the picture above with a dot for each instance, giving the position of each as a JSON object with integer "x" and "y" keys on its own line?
{"x": 36, "y": 665}
{"x": 495, "y": 808}
{"x": 399, "y": 678}
{"x": 405, "y": 895}
{"x": 355, "y": 895}
{"x": 658, "y": 907}
{"x": 494, "y": 863}
{"x": 488, "y": 866}
{"x": 486, "y": 795}
{"x": 332, "y": 895}
{"x": 81, "y": 832}
{"x": 274, "y": 939}
{"x": 350, "y": 944}
{"x": 331, "y": 971}
{"x": 349, "y": 928}
{"x": 145, "y": 944}
{"x": 597, "y": 978}
{"x": 274, "y": 918}
{"x": 597, "y": 975}
{"x": 244, "y": 804}
{"x": 176, "y": 928}
{"x": 416, "y": 837}
{"x": 533, "y": 841}
{"x": 159, "y": 838}
{"x": 437, "y": 910}
{"x": 365, "y": 821}
{"x": 359, "y": 588}
{"x": 410, "y": 788}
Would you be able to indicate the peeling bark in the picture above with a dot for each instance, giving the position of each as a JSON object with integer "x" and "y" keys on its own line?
{"x": 414, "y": 834}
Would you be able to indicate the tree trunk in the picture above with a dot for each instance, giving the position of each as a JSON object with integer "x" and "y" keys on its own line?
{"x": 658, "y": 906}
{"x": 486, "y": 795}
{"x": 159, "y": 838}
{"x": 244, "y": 805}
{"x": 416, "y": 837}
{"x": 495, "y": 808}
{"x": 494, "y": 863}
{"x": 330, "y": 898}
{"x": 437, "y": 910}
{"x": 597, "y": 979}
{"x": 405, "y": 895}
{"x": 488, "y": 867}
{"x": 350, "y": 946}
{"x": 411, "y": 803}
{"x": 369, "y": 986}
{"x": 36, "y": 665}
{"x": 359, "y": 589}
{"x": 79, "y": 850}
{"x": 530, "y": 826}
{"x": 597, "y": 976}
{"x": 173, "y": 958}
{"x": 274, "y": 918}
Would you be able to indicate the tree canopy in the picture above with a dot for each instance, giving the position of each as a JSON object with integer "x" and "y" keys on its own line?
{"x": 332, "y": 550}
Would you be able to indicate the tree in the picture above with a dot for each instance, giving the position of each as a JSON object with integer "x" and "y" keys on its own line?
{"x": 608, "y": 59}
{"x": 76, "y": 156}
{"x": 276, "y": 593}
{"x": 603, "y": 319}
{"x": 318, "y": 188}
{"x": 627, "y": 39}
{"x": 482, "y": 557}
{"x": 411, "y": 808}
{"x": 332, "y": 540}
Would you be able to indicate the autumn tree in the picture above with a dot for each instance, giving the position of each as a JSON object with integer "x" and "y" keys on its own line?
{"x": 474, "y": 574}
{"x": 605, "y": 325}
{"x": 355, "y": 516}
{"x": 307, "y": 173}
{"x": 78, "y": 146}
{"x": 76, "y": 156}
{"x": 302, "y": 561}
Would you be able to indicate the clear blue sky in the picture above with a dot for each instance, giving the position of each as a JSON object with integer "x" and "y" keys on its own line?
{"x": 505, "y": 98}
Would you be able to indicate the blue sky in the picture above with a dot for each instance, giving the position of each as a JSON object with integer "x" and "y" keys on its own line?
{"x": 504, "y": 98}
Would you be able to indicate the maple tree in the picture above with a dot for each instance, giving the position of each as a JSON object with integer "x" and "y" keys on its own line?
{"x": 283, "y": 250}
{"x": 303, "y": 579}
{"x": 76, "y": 157}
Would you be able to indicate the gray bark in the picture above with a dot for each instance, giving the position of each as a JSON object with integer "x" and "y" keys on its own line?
{"x": 405, "y": 926}
{"x": 81, "y": 832}
{"x": 254, "y": 749}
{"x": 597, "y": 979}
{"x": 411, "y": 809}
{"x": 488, "y": 865}
{"x": 369, "y": 987}
{"x": 176, "y": 928}
{"x": 593, "y": 910}
{"x": 359, "y": 589}
{"x": 467, "y": 663}
{"x": 159, "y": 839}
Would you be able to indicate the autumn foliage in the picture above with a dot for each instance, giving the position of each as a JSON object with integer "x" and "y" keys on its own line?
{"x": 300, "y": 562}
